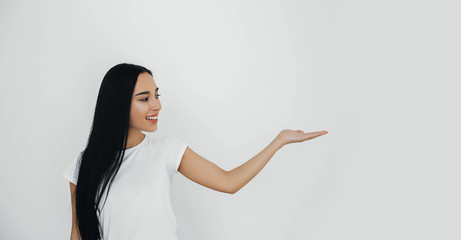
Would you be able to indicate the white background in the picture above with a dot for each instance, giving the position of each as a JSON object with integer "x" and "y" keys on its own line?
{"x": 380, "y": 76}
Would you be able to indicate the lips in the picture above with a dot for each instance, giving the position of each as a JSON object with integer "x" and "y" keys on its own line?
{"x": 154, "y": 121}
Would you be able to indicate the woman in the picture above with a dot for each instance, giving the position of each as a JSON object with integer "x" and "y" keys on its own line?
{"x": 132, "y": 171}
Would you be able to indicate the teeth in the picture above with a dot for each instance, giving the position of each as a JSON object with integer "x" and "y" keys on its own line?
{"x": 152, "y": 118}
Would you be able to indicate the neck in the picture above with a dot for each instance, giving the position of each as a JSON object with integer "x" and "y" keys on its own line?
{"x": 135, "y": 137}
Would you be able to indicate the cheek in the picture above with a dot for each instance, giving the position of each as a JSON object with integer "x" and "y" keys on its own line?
{"x": 138, "y": 109}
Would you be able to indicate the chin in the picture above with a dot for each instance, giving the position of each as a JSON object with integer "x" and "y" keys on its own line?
{"x": 151, "y": 129}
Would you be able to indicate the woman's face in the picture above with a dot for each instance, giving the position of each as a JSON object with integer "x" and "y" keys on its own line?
{"x": 144, "y": 103}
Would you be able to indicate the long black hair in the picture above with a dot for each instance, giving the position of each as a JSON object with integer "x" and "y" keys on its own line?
{"x": 100, "y": 161}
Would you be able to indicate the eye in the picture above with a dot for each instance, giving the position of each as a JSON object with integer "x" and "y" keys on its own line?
{"x": 145, "y": 99}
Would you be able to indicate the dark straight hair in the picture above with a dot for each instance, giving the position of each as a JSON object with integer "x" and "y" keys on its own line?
{"x": 100, "y": 161}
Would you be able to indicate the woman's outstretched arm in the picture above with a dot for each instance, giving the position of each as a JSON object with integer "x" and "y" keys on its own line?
{"x": 241, "y": 175}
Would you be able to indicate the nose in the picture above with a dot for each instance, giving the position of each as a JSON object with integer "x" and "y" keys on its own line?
{"x": 156, "y": 105}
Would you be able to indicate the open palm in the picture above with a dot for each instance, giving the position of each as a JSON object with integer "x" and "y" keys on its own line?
{"x": 291, "y": 136}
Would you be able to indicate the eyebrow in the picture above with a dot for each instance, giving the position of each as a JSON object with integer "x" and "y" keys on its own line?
{"x": 145, "y": 92}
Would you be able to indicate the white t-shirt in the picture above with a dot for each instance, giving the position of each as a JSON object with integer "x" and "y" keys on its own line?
{"x": 139, "y": 205}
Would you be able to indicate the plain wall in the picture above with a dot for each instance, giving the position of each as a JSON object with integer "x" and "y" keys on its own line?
{"x": 382, "y": 77}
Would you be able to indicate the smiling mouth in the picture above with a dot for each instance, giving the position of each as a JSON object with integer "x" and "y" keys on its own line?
{"x": 152, "y": 120}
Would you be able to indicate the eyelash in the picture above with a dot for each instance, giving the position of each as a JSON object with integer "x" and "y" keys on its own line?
{"x": 142, "y": 100}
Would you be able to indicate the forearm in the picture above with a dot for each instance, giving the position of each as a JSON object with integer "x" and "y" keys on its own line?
{"x": 242, "y": 174}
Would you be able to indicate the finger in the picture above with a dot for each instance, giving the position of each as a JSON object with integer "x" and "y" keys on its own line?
{"x": 311, "y": 135}
{"x": 322, "y": 132}
{"x": 318, "y": 133}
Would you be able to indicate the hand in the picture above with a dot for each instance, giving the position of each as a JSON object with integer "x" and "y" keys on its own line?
{"x": 291, "y": 136}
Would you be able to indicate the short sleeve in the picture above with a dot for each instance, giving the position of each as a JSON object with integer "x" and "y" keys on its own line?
{"x": 71, "y": 173}
{"x": 177, "y": 149}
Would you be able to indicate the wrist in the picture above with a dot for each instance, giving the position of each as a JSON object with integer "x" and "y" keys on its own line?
{"x": 278, "y": 142}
